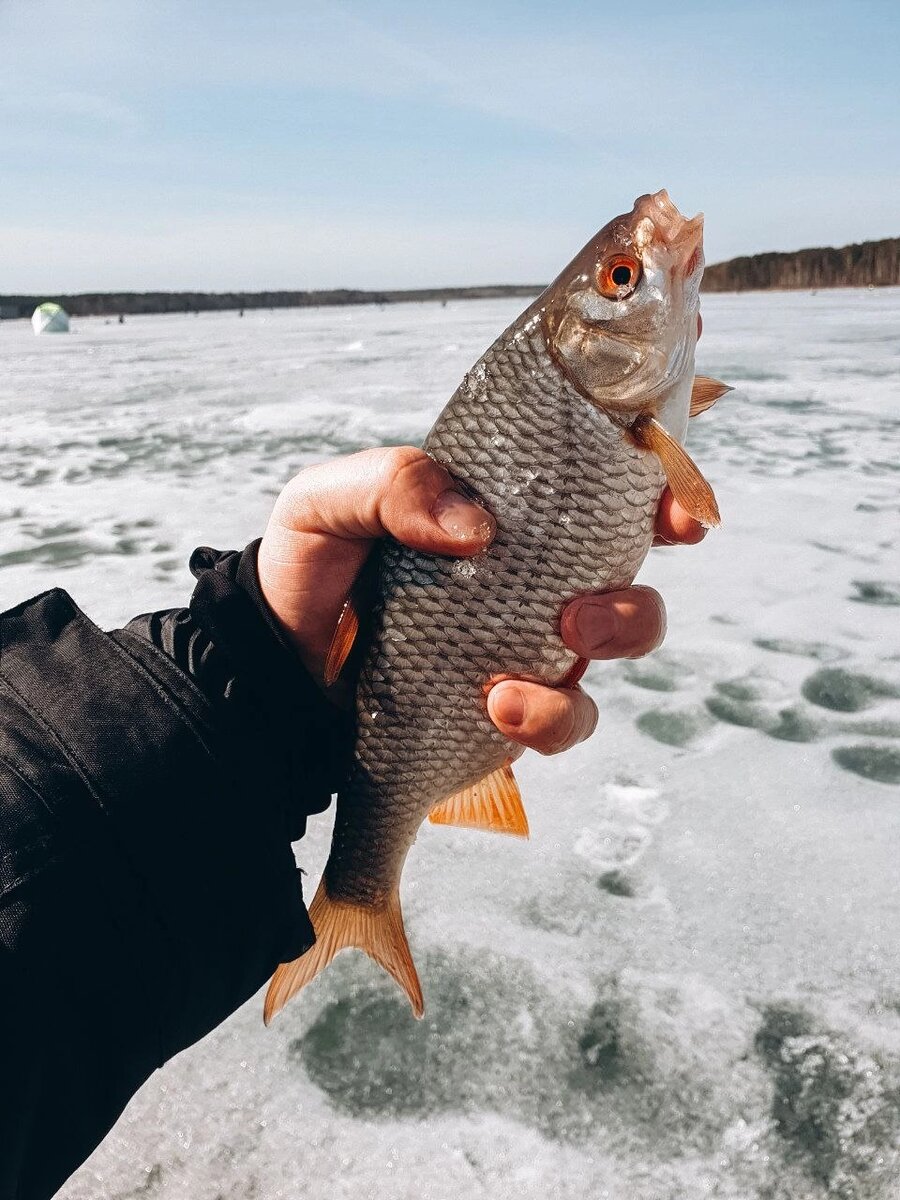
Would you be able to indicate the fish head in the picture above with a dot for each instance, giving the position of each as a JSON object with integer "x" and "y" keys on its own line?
{"x": 621, "y": 320}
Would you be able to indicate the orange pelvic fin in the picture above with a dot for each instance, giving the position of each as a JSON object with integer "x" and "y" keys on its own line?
{"x": 338, "y": 925}
{"x": 688, "y": 486}
{"x": 492, "y": 803}
{"x": 341, "y": 641}
{"x": 705, "y": 393}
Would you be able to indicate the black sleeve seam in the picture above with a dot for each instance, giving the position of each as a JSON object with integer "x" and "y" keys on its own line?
{"x": 119, "y": 640}
{"x": 23, "y": 779}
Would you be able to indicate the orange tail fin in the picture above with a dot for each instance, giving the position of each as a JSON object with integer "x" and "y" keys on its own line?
{"x": 338, "y": 925}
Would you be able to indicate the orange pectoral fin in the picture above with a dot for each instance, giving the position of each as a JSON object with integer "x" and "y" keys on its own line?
{"x": 688, "y": 486}
{"x": 341, "y": 642}
{"x": 705, "y": 393}
{"x": 493, "y": 803}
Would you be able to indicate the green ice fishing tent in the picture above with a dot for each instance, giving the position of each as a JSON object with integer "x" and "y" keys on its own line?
{"x": 50, "y": 318}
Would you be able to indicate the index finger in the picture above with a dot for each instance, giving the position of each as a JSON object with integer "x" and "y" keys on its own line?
{"x": 546, "y": 719}
{"x": 675, "y": 526}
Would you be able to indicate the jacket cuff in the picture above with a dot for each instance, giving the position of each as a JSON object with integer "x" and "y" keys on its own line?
{"x": 313, "y": 736}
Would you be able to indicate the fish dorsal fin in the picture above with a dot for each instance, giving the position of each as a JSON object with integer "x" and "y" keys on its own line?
{"x": 338, "y": 925}
{"x": 688, "y": 486}
{"x": 492, "y": 803}
{"x": 705, "y": 393}
{"x": 341, "y": 641}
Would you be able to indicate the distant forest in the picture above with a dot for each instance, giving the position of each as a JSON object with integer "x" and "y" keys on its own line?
{"x": 867, "y": 264}
{"x": 113, "y": 304}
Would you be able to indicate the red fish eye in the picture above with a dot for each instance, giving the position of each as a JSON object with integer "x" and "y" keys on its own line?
{"x": 618, "y": 276}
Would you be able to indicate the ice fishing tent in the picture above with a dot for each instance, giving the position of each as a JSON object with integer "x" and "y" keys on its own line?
{"x": 50, "y": 318}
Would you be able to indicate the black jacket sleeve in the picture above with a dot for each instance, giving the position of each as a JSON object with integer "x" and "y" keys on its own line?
{"x": 151, "y": 782}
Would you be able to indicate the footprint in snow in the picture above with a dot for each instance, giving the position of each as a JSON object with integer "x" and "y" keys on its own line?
{"x": 651, "y": 1056}
{"x": 676, "y": 727}
{"x": 876, "y": 591}
{"x": 614, "y": 846}
{"x": 605, "y": 855}
{"x": 753, "y": 702}
{"x": 822, "y": 651}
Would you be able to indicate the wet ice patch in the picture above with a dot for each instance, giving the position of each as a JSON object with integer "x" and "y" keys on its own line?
{"x": 740, "y": 712}
{"x": 789, "y": 724}
{"x": 870, "y": 728}
{"x": 666, "y": 1058}
{"x": 745, "y": 688}
{"x": 872, "y": 591}
{"x": 663, "y": 1060}
{"x": 492, "y": 1039}
{"x": 878, "y": 763}
{"x": 651, "y": 677}
{"x": 674, "y": 727}
{"x": 758, "y": 704}
{"x": 846, "y": 691}
{"x": 660, "y": 673}
{"x": 835, "y": 1106}
{"x": 617, "y": 883}
{"x": 67, "y": 544}
{"x": 794, "y": 725}
{"x": 823, "y": 651}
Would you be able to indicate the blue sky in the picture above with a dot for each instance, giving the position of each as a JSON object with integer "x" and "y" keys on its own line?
{"x": 151, "y": 144}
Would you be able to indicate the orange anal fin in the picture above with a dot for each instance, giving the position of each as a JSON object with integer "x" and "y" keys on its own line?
{"x": 705, "y": 393}
{"x": 341, "y": 642}
{"x": 339, "y": 925}
{"x": 492, "y": 803}
{"x": 687, "y": 484}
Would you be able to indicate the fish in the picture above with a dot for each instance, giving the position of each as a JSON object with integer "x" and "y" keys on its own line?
{"x": 566, "y": 430}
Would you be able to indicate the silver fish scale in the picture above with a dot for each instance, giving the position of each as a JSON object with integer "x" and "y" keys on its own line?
{"x": 574, "y": 503}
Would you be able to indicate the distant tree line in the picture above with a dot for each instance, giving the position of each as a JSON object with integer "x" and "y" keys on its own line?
{"x": 867, "y": 263}
{"x": 112, "y": 304}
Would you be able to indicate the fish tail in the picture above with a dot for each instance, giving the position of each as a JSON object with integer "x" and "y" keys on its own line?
{"x": 339, "y": 925}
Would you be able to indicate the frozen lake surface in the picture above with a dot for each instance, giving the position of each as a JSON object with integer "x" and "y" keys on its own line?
{"x": 687, "y": 983}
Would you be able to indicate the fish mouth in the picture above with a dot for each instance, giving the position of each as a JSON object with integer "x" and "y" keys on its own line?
{"x": 659, "y": 222}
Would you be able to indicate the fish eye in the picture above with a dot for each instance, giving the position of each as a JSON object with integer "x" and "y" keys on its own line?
{"x": 617, "y": 277}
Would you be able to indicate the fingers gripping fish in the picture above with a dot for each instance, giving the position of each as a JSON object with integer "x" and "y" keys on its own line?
{"x": 566, "y": 430}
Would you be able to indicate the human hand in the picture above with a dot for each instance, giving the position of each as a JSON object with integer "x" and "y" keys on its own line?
{"x": 322, "y": 529}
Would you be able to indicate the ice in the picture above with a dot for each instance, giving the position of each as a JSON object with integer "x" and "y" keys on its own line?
{"x": 687, "y": 983}
{"x": 464, "y": 568}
